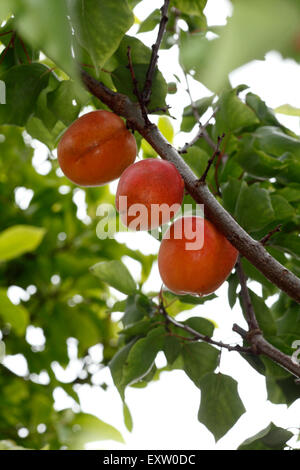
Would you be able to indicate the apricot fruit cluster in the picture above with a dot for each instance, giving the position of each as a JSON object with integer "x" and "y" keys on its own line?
{"x": 194, "y": 257}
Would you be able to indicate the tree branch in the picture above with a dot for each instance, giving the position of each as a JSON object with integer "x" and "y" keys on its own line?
{"x": 146, "y": 95}
{"x": 265, "y": 240}
{"x": 251, "y": 249}
{"x": 136, "y": 87}
{"x": 216, "y": 153}
{"x": 198, "y": 336}
{"x": 255, "y": 336}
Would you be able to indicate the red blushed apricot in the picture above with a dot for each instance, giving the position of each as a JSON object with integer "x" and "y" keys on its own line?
{"x": 185, "y": 266}
{"x": 149, "y": 194}
{"x": 96, "y": 149}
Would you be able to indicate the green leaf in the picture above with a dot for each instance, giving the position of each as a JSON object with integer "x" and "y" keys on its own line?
{"x": 165, "y": 126}
{"x": 117, "y": 364}
{"x": 150, "y": 22}
{"x": 221, "y": 406}
{"x": 65, "y": 102}
{"x": 257, "y": 162}
{"x": 46, "y": 27}
{"x": 127, "y": 417}
{"x": 88, "y": 428}
{"x": 199, "y": 359}
{"x": 230, "y": 193}
{"x": 197, "y": 160}
{"x": 266, "y": 115}
{"x": 201, "y": 325}
{"x": 233, "y": 115}
{"x": 287, "y": 242}
{"x": 172, "y": 348}
{"x": 275, "y": 142}
{"x": 15, "y": 315}
{"x": 233, "y": 282}
{"x": 140, "y": 53}
{"x": 100, "y": 26}
{"x": 188, "y": 118}
{"x": 249, "y": 34}
{"x": 282, "y": 390}
{"x": 36, "y": 128}
{"x": 289, "y": 324}
{"x": 254, "y": 208}
{"x": 19, "y": 239}
{"x": 23, "y": 86}
{"x": 116, "y": 275}
{"x": 256, "y": 275}
{"x": 282, "y": 209}
{"x": 263, "y": 315}
{"x": 270, "y": 438}
{"x": 137, "y": 307}
{"x": 291, "y": 193}
{"x": 140, "y": 328}
{"x": 191, "y": 7}
{"x": 123, "y": 83}
{"x": 177, "y": 304}
{"x": 288, "y": 110}
{"x": 142, "y": 355}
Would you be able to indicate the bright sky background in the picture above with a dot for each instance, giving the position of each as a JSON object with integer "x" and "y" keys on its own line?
{"x": 165, "y": 413}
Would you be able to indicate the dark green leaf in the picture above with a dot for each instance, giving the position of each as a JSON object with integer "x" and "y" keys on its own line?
{"x": 270, "y": 438}
{"x": 23, "y": 86}
{"x": 254, "y": 208}
{"x": 116, "y": 275}
{"x": 201, "y": 325}
{"x": 199, "y": 359}
{"x": 110, "y": 17}
{"x": 142, "y": 355}
{"x": 137, "y": 307}
{"x": 123, "y": 82}
{"x": 221, "y": 406}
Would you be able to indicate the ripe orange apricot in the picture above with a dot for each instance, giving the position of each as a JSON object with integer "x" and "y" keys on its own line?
{"x": 191, "y": 264}
{"x": 96, "y": 149}
{"x": 154, "y": 190}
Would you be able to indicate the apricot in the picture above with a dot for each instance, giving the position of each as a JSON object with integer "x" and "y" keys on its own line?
{"x": 154, "y": 190}
{"x": 96, "y": 149}
{"x": 194, "y": 257}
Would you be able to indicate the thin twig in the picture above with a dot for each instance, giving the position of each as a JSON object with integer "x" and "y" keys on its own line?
{"x": 265, "y": 239}
{"x": 195, "y": 335}
{"x": 136, "y": 90}
{"x": 146, "y": 95}
{"x": 11, "y": 43}
{"x": 216, "y": 153}
{"x": 255, "y": 336}
{"x": 199, "y": 134}
{"x": 25, "y": 50}
{"x": 248, "y": 307}
{"x": 6, "y": 32}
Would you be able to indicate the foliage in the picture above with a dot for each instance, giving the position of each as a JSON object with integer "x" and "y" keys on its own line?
{"x": 64, "y": 269}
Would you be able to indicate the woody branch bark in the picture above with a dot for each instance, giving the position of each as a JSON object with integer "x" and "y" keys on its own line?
{"x": 251, "y": 249}
{"x": 255, "y": 336}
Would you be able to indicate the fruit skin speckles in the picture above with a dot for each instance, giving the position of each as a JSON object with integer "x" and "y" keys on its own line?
{"x": 96, "y": 149}
{"x": 202, "y": 270}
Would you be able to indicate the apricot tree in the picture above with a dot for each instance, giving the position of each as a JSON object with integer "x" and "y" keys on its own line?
{"x": 62, "y": 58}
